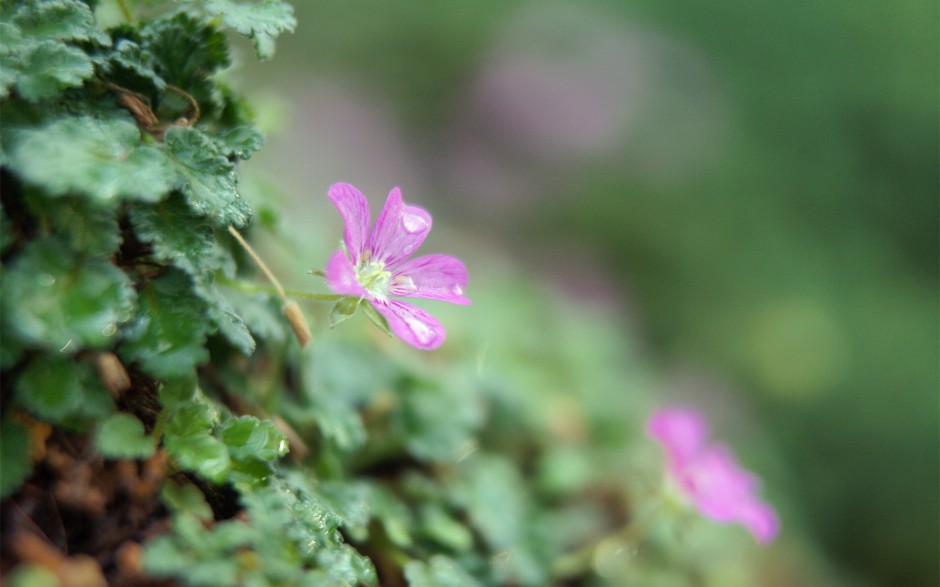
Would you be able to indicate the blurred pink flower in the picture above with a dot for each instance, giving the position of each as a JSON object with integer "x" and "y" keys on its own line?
{"x": 709, "y": 475}
{"x": 374, "y": 266}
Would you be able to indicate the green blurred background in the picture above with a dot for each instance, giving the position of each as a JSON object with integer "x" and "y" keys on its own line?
{"x": 753, "y": 185}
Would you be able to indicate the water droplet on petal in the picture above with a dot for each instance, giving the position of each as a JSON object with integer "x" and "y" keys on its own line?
{"x": 45, "y": 279}
{"x": 457, "y": 290}
{"x": 413, "y": 223}
{"x": 406, "y": 284}
{"x": 408, "y": 249}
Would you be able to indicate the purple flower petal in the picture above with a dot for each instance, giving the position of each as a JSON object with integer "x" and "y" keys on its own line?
{"x": 682, "y": 431}
{"x": 760, "y": 519}
{"x": 354, "y": 209}
{"x": 437, "y": 277}
{"x": 399, "y": 231}
{"x": 412, "y": 324}
{"x": 341, "y": 276}
{"x": 709, "y": 475}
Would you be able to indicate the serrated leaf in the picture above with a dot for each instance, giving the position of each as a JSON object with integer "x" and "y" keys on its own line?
{"x": 55, "y": 300}
{"x": 249, "y": 438}
{"x": 241, "y": 141}
{"x": 261, "y": 20}
{"x": 103, "y": 159}
{"x": 14, "y": 456}
{"x": 64, "y": 20}
{"x": 439, "y": 571}
{"x": 189, "y": 441}
{"x": 205, "y": 177}
{"x": 185, "y": 51}
{"x": 88, "y": 228}
{"x": 178, "y": 236}
{"x": 50, "y": 67}
{"x": 122, "y": 436}
{"x": 169, "y": 331}
{"x": 60, "y": 389}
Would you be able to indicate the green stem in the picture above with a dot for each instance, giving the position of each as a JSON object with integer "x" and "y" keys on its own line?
{"x": 125, "y": 9}
{"x": 252, "y": 288}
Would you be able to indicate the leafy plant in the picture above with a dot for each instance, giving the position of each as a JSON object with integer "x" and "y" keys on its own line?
{"x": 151, "y": 389}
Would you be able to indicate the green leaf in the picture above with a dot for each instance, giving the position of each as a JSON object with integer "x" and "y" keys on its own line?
{"x": 87, "y": 227}
{"x": 122, "y": 436}
{"x": 260, "y": 311}
{"x": 343, "y": 310}
{"x": 167, "y": 337}
{"x": 60, "y": 389}
{"x": 55, "y": 300}
{"x": 14, "y": 456}
{"x": 261, "y": 20}
{"x": 439, "y": 571}
{"x": 249, "y": 438}
{"x": 189, "y": 441}
{"x": 185, "y": 498}
{"x": 50, "y": 67}
{"x": 241, "y": 141}
{"x": 376, "y": 318}
{"x": 205, "y": 177}
{"x": 181, "y": 237}
{"x": 103, "y": 159}
{"x": 64, "y": 20}
{"x": 178, "y": 236}
{"x": 185, "y": 52}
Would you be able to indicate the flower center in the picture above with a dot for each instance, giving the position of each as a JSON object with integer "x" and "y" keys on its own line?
{"x": 373, "y": 277}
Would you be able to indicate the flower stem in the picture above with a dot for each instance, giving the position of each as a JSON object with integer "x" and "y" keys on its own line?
{"x": 291, "y": 293}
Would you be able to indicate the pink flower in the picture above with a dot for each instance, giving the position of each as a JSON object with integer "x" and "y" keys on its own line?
{"x": 709, "y": 475}
{"x": 375, "y": 266}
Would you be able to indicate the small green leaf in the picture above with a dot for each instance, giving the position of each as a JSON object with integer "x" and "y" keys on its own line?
{"x": 14, "y": 456}
{"x": 103, "y": 159}
{"x": 249, "y": 438}
{"x": 122, "y": 436}
{"x": 167, "y": 336}
{"x": 189, "y": 441}
{"x": 343, "y": 310}
{"x": 185, "y": 498}
{"x": 261, "y": 20}
{"x": 59, "y": 389}
{"x": 376, "y": 318}
{"x": 55, "y": 300}
{"x": 205, "y": 177}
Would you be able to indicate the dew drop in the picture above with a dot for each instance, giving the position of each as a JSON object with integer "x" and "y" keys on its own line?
{"x": 413, "y": 223}
{"x": 109, "y": 330}
{"x": 45, "y": 279}
{"x": 408, "y": 249}
{"x": 457, "y": 290}
{"x": 406, "y": 285}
